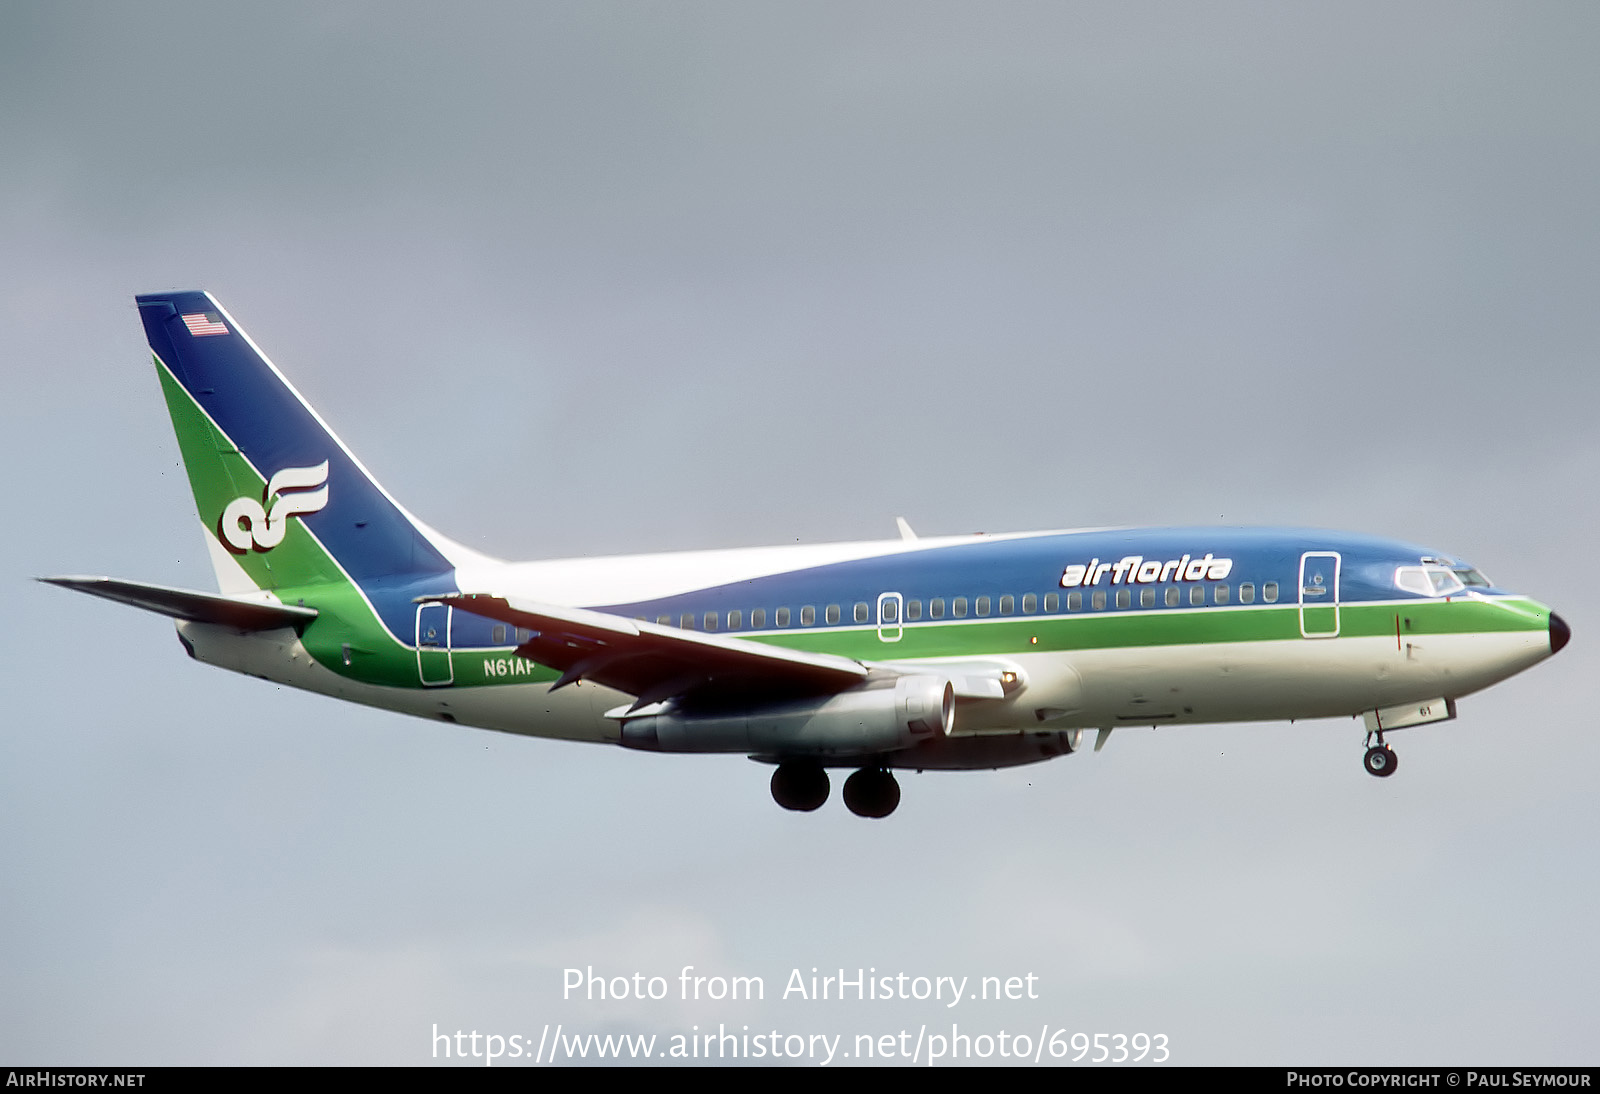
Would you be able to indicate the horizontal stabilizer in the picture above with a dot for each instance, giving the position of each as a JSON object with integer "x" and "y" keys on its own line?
{"x": 247, "y": 615}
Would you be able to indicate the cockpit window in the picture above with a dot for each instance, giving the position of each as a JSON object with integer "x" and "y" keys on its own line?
{"x": 1436, "y": 580}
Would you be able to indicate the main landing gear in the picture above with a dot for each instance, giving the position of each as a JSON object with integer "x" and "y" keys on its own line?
{"x": 802, "y": 785}
{"x": 871, "y": 792}
{"x": 1380, "y": 759}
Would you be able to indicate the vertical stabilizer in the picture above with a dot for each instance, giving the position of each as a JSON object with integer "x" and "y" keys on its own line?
{"x": 283, "y": 501}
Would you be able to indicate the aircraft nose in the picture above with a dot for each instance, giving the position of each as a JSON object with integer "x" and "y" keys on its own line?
{"x": 1560, "y": 633}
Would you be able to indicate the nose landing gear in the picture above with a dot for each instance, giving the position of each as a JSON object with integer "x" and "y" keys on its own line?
{"x": 1380, "y": 759}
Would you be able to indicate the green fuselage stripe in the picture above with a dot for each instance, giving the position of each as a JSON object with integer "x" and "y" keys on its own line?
{"x": 1405, "y": 621}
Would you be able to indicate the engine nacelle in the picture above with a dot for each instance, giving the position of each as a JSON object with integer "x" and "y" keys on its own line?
{"x": 884, "y": 716}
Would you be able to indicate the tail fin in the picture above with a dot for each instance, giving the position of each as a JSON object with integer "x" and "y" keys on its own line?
{"x": 283, "y": 501}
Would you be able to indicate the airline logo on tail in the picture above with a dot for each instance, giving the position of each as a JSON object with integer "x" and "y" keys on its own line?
{"x": 248, "y": 524}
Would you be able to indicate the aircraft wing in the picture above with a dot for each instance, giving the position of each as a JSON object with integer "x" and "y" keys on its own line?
{"x": 654, "y": 663}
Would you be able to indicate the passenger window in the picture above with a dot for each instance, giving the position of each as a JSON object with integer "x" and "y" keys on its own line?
{"x": 936, "y": 608}
{"x": 913, "y": 610}
{"x": 959, "y": 608}
{"x": 781, "y": 617}
{"x": 862, "y": 612}
{"x": 1220, "y": 595}
{"x": 735, "y": 619}
{"x": 1074, "y": 601}
{"x": 500, "y": 634}
{"x": 1197, "y": 594}
{"x": 1052, "y": 602}
{"x": 1098, "y": 600}
{"x": 1174, "y": 594}
{"x": 758, "y": 618}
{"x": 889, "y": 611}
{"x": 1008, "y": 605}
{"x": 1247, "y": 593}
{"x": 1124, "y": 598}
{"x": 808, "y": 615}
{"x": 1269, "y": 592}
{"x": 1030, "y": 603}
{"x": 686, "y": 621}
{"x": 524, "y": 635}
{"x": 711, "y": 621}
{"x": 983, "y": 605}
{"x": 1147, "y": 597}
{"x": 832, "y": 614}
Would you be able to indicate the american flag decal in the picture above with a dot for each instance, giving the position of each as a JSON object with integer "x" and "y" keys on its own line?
{"x": 204, "y": 323}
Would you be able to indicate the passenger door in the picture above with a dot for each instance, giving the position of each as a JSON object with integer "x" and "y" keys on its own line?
{"x": 1319, "y": 594}
{"x": 433, "y": 645}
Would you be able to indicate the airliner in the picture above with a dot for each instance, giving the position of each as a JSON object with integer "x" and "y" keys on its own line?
{"x": 916, "y": 653}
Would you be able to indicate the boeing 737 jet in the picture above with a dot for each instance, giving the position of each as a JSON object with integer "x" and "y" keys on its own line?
{"x": 953, "y": 653}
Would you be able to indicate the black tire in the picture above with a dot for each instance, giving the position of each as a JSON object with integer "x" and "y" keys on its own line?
{"x": 800, "y": 786}
{"x": 871, "y": 792}
{"x": 1381, "y": 761}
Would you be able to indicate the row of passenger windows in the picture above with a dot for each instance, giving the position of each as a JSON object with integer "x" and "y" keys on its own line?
{"x": 523, "y": 634}
{"x": 1097, "y": 600}
{"x": 960, "y": 607}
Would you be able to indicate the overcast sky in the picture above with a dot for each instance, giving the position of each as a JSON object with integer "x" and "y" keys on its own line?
{"x": 584, "y": 279}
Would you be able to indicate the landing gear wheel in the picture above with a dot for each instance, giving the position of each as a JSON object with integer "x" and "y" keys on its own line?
{"x": 871, "y": 792}
{"x": 1381, "y": 761}
{"x": 800, "y": 786}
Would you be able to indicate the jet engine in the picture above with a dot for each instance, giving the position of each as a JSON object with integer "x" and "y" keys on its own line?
{"x": 880, "y": 716}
